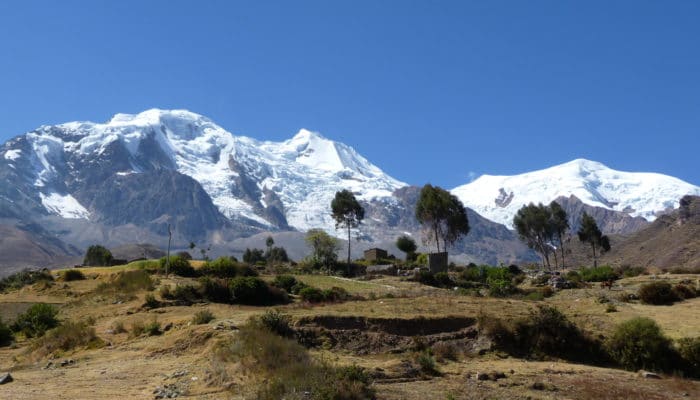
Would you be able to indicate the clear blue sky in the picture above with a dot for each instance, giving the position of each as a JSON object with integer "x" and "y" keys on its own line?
{"x": 430, "y": 91}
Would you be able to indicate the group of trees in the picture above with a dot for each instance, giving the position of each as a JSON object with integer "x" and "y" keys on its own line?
{"x": 543, "y": 228}
{"x": 273, "y": 254}
{"x": 442, "y": 214}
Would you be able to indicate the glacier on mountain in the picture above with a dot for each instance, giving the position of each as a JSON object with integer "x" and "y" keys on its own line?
{"x": 641, "y": 194}
{"x": 257, "y": 181}
{"x": 304, "y": 171}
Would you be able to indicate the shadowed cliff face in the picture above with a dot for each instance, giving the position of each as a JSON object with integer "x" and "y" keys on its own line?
{"x": 609, "y": 222}
{"x": 672, "y": 241}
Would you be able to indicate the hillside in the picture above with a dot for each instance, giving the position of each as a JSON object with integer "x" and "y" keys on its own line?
{"x": 120, "y": 344}
{"x": 670, "y": 242}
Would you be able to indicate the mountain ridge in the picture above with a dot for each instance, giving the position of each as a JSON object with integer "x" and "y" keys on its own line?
{"x": 135, "y": 175}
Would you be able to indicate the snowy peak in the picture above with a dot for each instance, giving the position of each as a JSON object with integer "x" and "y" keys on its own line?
{"x": 287, "y": 183}
{"x": 635, "y": 193}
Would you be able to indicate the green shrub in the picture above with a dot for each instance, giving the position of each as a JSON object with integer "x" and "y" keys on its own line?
{"x": 73, "y": 275}
{"x": 202, "y": 317}
{"x": 39, "y": 318}
{"x": 629, "y": 272}
{"x": 426, "y": 362}
{"x": 689, "y": 350}
{"x": 254, "y": 291}
{"x": 473, "y": 273}
{"x": 426, "y": 278}
{"x": 311, "y": 294}
{"x": 178, "y": 265}
{"x": 185, "y": 294}
{"x": 24, "y": 278}
{"x": 67, "y": 336}
{"x": 298, "y": 287}
{"x": 657, "y": 293}
{"x": 215, "y": 290}
{"x": 151, "y": 301}
{"x": 97, "y": 255}
{"x": 598, "y": 274}
{"x": 277, "y": 323}
{"x": 545, "y": 332}
{"x": 226, "y": 267}
{"x": 442, "y": 279}
{"x": 639, "y": 344}
{"x": 286, "y": 282}
{"x": 336, "y": 294}
{"x": 500, "y": 282}
{"x": 684, "y": 292}
{"x": 152, "y": 328}
{"x": 6, "y": 336}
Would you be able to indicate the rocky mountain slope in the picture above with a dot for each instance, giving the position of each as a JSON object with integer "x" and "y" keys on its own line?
{"x": 672, "y": 241}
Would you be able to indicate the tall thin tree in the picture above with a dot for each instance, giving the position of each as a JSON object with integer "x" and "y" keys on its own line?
{"x": 559, "y": 224}
{"x": 347, "y": 212}
{"x": 590, "y": 233}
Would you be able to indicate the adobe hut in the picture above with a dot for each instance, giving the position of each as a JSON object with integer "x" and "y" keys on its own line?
{"x": 375, "y": 254}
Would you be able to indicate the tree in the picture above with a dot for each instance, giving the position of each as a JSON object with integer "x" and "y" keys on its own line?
{"x": 97, "y": 255}
{"x": 324, "y": 247}
{"x": 559, "y": 224}
{"x": 277, "y": 255}
{"x": 406, "y": 244}
{"x": 442, "y": 214}
{"x": 252, "y": 256}
{"x": 269, "y": 242}
{"x": 532, "y": 222}
{"x": 590, "y": 233}
{"x": 347, "y": 212}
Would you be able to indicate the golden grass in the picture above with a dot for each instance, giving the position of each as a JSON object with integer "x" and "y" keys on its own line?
{"x": 133, "y": 367}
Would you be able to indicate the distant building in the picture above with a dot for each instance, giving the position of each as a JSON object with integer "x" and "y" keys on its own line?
{"x": 375, "y": 254}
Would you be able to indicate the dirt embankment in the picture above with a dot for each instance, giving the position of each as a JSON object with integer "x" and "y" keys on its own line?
{"x": 362, "y": 335}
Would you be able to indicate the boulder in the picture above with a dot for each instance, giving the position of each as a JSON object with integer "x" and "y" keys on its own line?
{"x": 5, "y": 378}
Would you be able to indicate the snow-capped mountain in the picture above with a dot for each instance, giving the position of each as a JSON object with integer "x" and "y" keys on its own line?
{"x": 637, "y": 194}
{"x": 129, "y": 179}
{"x": 276, "y": 185}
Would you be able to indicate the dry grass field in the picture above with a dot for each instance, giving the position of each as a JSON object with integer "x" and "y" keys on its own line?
{"x": 183, "y": 358}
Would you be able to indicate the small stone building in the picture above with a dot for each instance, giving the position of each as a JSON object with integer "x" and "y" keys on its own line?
{"x": 375, "y": 254}
{"x": 437, "y": 262}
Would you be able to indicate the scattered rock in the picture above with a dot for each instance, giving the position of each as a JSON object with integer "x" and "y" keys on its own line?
{"x": 225, "y": 325}
{"x": 490, "y": 376}
{"x": 538, "y": 386}
{"x": 169, "y": 391}
{"x": 67, "y": 362}
{"x": 49, "y": 365}
{"x": 178, "y": 374}
{"x": 647, "y": 374}
{"x": 496, "y": 375}
{"x": 5, "y": 378}
{"x": 168, "y": 326}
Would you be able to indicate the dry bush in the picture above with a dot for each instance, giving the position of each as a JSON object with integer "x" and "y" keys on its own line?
{"x": 287, "y": 369}
{"x": 68, "y": 336}
{"x": 445, "y": 351}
